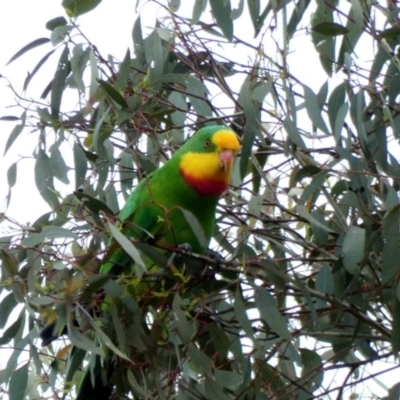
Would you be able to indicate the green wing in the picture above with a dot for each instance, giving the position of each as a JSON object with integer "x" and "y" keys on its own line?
{"x": 138, "y": 219}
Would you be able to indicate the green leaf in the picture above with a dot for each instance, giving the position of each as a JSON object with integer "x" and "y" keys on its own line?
{"x": 198, "y": 9}
{"x": 228, "y": 379}
{"x": 44, "y": 179}
{"x": 195, "y": 226}
{"x": 185, "y": 330}
{"x": 270, "y": 314}
{"x": 254, "y": 10}
{"x": 129, "y": 248}
{"x": 324, "y": 282}
{"x": 197, "y": 93}
{"x": 12, "y": 175}
{"x": 30, "y": 46}
{"x": 74, "y": 362}
{"x": 75, "y": 8}
{"x": 50, "y": 232}
{"x": 391, "y": 33}
{"x": 18, "y": 383}
{"x": 237, "y": 12}
{"x": 11, "y": 332}
{"x": 83, "y": 342}
{"x": 138, "y": 44}
{"x": 241, "y": 314}
{"x": 178, "y": 100}
{"x": 394, "y": 392}
{"x": 296, "y": 17}
{"x": 154, "y": 54}
{"x": 312, "y": 367}
{"x": 251, "y": 128}
{"x": 303, "y": 212}
{"x": 80, "y": 163}
{"x": 55, "y": 22}
{"x": 353, "y": 249}
{"x": 307, "y": 171}
{"x": 355, "y": 26}
{"x": 41, "y": 300}
{"x": 136, "y": 388}
{"x": 339, "y": 122}
{"x": 36, "y": 69}
{"x": 9, "y": 264}
{"x": 17, "y": 130}
{"x": 58, "y": 84}
{"x": 124, "y": 72}
{"x": 79, "y": 61}
{"x": 7, "y": 306}
{"x": 221, "y": 11}
{"x": 107, "y": 341}
{"x": 94, "y": 205}
{"x": 201, "y": 362}
{"x": 330, "y": 29}
{"x": 9, "y": 118}
{"x": 324, "y": 45}
{"x": 314, "y": 110}
{"x": 293, "y": 133}
{"x": 396, "y": 325}
{"x": 113, "y": 94}
{"x": 336, "y": 100}
{"x": 220, "y": 341}
{"x": 391, "y": 250}
{"x": 213, "y": 390}
{"x": 58, "y": 165}
{"x": 59, "y": 34}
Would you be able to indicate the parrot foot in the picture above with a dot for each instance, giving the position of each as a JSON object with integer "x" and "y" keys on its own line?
{"x": 216, "y": 257}
{"x": 175, "y": 256}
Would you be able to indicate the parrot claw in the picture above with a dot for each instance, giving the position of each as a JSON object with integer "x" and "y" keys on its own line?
{"x": 184, "y": 246}
{"x": 216, "y": 257}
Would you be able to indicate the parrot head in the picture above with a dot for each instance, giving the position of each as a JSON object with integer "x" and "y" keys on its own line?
{"x": 206, "y": 160}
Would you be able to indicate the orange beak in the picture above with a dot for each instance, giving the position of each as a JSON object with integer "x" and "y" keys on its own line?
{"x": 226, "y": 157}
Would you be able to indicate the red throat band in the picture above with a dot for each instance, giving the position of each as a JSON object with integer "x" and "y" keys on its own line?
{"x": 204, "y": 186}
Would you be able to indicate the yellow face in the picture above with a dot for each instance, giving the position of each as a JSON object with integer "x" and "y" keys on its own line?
{"x": 213, "y": 166}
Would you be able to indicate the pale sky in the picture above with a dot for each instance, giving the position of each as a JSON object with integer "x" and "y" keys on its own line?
{"x": 21, "y": 22}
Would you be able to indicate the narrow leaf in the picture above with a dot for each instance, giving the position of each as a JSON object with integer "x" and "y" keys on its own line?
{"x": 17, "y": 130}
{"x": 353, "y": 248}
{"x": 75, "y": 8}
{"x": 113, "y": 93}
{"x": 36, "y": 69}
{"x": 196, "y": 227}
{"x": 58, "y": 84}
{"x": 270, "y": 314}
{"x": 7, "y": 306}
{"x": 198, "y": 9}
{"x": 214, "y": 391}
{"x": 55, "y": 22}
{"x": 30, "y": 46}
{"x": 330, "y": 29}
{"x": 314, "y": 110}
{"x": 128, "y": 247}
{"x": 185, "y": 330}
{"x": 202, "y": 363}
{"x": 18, "y": 383}
{"x": 12, "y": 175}
{"x": 221, "y": 11}
{"x": 391, "y": 250}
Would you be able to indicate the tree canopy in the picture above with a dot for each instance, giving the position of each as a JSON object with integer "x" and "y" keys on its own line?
{"x": 306, "y": 301}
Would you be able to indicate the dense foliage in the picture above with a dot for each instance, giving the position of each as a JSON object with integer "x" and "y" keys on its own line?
{"x": 306, "y": 301}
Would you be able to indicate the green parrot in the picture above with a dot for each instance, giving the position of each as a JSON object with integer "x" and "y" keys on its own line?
{"x": 160, "y": 211}
{"x": 191, "y": 181}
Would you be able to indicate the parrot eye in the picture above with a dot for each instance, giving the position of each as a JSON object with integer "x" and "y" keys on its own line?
{"x": 207, "y": 143}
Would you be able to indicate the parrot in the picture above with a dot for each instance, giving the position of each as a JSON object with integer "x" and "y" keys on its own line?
{"x": 160, "y": 210}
